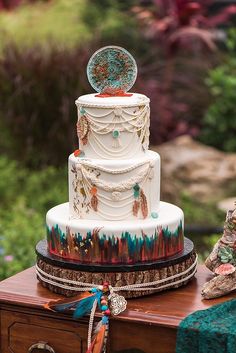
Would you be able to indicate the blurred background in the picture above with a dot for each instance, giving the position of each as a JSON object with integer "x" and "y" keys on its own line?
{"x": 186, "y": 55}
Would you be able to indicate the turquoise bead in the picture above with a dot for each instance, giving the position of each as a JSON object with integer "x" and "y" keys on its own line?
{"x": 136, "y": 189}
{"x": 104, "y": 307}
{"x": 105, "y": 320}
{"x": 115, "y": 134}
{"x": 154, "y": 215}
{"x": 82, "y": 111}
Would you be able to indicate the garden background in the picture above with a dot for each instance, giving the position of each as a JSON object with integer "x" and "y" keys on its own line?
{"x": 185, "y": 51}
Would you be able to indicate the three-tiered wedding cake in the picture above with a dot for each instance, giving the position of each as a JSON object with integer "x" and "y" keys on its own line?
{"x": 114, "y": 214}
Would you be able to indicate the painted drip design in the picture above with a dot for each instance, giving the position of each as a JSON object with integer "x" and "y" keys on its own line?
{"x": 97, "y": 247}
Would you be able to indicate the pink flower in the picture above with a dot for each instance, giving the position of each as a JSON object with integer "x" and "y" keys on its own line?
{"x": 8, "y": 258}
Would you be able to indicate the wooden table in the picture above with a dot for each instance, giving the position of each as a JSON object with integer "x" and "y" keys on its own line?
{"x": 149, "y": 323}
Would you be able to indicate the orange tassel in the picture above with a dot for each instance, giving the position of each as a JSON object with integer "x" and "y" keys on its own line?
{"x": 144, "y": 206}
{"x": 94, "y": 203}
{"x": 98, "y": 342}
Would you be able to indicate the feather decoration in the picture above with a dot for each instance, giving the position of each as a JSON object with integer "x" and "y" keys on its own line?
{"x": 136, "y": 205}
{"x": 98, "y": 342}
{"x": 85, "y": 305}
{"x": 143, "y": 202}
{"x": 83, "y": 129}
{"x": 68, "y": 303}
{"x": 94, "y": 203}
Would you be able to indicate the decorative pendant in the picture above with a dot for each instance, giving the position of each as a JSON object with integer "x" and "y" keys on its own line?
{"x": 136, "y": 189}
{"x": 116, "y": 141}
{"x": 117, "y": 303}
{"x": 116, "y": 195}
{"x": 83, "y": 129}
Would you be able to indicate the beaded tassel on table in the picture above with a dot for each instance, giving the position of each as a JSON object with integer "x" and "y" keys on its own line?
{"x": 86, "y": 303}
{"x": 98, "y": 344}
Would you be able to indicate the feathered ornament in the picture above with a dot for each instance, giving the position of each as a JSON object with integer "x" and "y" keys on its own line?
{"x": 143, "y": 204}
{"x": 83, "y": 129}
{"x": 136, "y": 205}
{"x": 94, "y": 199}
{"x": 81, "y": 303}
{"x": 99, "y": 338}
{"x": 86, "y": 303}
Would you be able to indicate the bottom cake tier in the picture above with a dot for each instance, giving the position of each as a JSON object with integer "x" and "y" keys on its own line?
{"x": 115, "y": 242}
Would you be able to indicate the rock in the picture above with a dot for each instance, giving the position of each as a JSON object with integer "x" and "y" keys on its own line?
{"x": 222, "y": 261}
{"x": 204, "y": 172}
{"x": 226, "y": 204}
{"x": 219, "y": 286}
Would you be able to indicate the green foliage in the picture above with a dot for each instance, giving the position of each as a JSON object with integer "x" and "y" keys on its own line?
{"x": 26, "y": 196}
{"x": 67, "y": 24}
{"x": 38, "y": 113}
{"x": 201, "y": 213}
{"x": 42, "y": 72}
{"x": 45, "y": 23}
{"x": 219, "y": 123}
{"x": 227, "y": 255}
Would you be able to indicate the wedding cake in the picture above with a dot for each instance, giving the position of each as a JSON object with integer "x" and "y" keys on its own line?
{"x": 114, "y": 214}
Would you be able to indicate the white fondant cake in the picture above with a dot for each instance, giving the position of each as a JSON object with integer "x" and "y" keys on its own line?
{"x": 114, "y": 214}
{"x": 115, "y": 242}
{"x": 115, "y": 182}
{"x": 113, "y": 127}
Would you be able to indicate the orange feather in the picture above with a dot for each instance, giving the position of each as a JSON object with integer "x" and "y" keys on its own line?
{"x": 67, "y": 303}
{"x": 99, "y": 340}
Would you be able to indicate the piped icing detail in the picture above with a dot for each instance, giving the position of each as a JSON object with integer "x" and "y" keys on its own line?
{"x": 91, "y": 127}
{"x": 89, "y": 184}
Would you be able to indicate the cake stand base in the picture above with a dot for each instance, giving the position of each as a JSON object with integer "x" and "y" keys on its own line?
{"x": 167, "y": 273}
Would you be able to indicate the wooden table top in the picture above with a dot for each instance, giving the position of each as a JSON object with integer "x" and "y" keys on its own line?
{"x": 165, "y": 308}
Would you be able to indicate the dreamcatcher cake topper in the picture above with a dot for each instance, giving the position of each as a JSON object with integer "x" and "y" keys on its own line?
{"x": 112, "y": 71}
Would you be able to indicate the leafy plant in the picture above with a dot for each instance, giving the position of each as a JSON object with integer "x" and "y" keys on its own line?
{"x": 43, "y": 72}
{"x": 26, "y": 196}
{"x": 183, "y": 37}
{"x": 227, "y": 255}
{"x": 219, "y": 123}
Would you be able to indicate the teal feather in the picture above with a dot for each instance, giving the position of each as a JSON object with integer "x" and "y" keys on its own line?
{"x": 85, "y": 305}
{"x": 67, "y": 303}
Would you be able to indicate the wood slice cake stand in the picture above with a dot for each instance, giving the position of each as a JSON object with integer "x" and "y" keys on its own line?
{"x": 171, "y": 273}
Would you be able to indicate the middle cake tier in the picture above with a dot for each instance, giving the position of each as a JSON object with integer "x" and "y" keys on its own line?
{"x": 114, "y": 190}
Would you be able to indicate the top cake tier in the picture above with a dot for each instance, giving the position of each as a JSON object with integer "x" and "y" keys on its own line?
{"x": 113, "y": 127}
